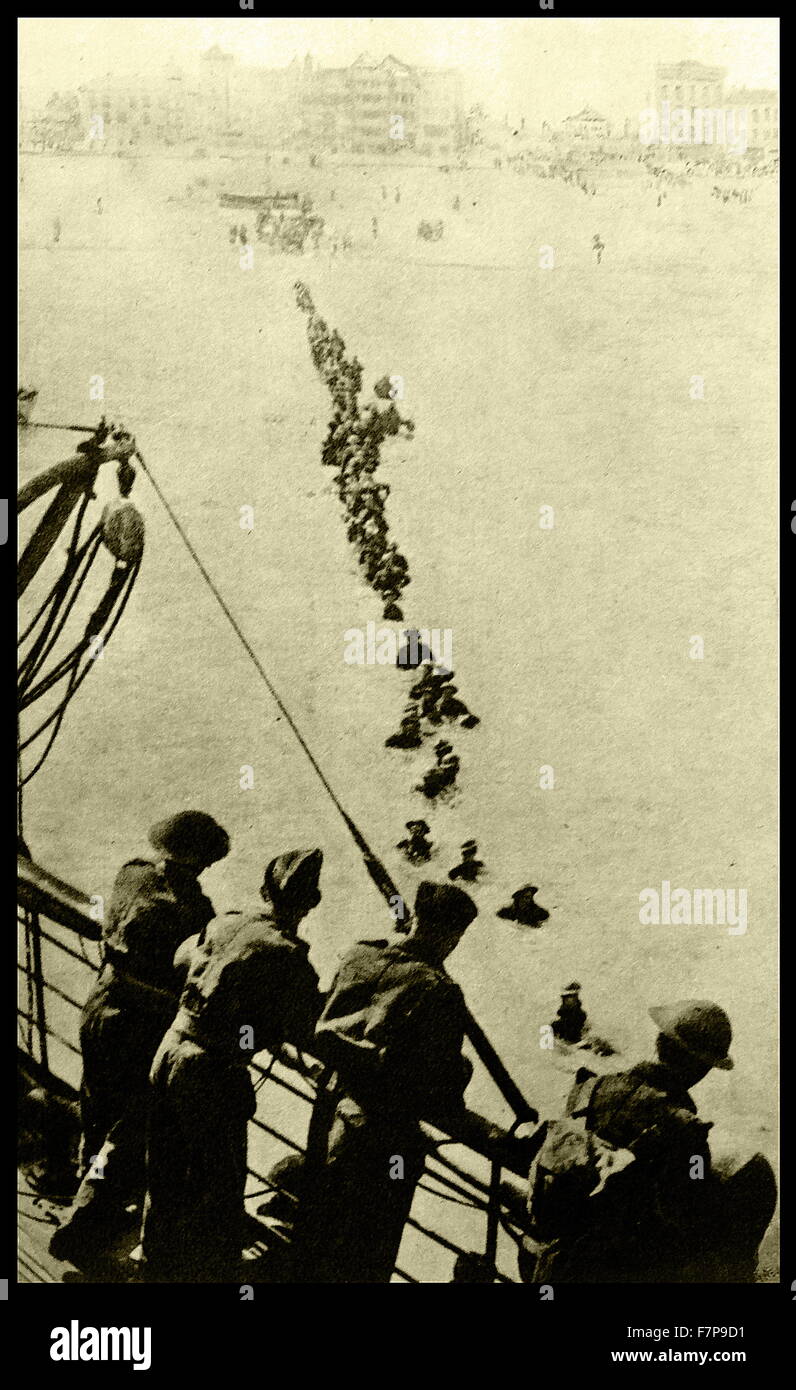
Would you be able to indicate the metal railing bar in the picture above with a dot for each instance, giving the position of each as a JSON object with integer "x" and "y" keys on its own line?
{"x": 276, "y": 1135}
{"x": 40, "y": 891}
{"x": 52, "y": 988}
{"x": 260, "y": 1178}
{"x": 493, "y": 1215}
{"x": 472, "y": 1196}
{"x": 265, "y": 1191}
{"x": 448, "y": 1245}
{"x": 53, "y": 1033}
{"x": 32, "y": 1260}
{"x": 67, "y": 998}
{"x": 38, "y": 1274}
{"x": 37, "y": 981}
{"x": 433, "y": 1236}
{"x": 461, "y": 1172}
{"x": 477, "y": 1194}
{"x": 29, "y": 1215}
{"x": 479, "y": 1188}
{"x": 68, "y": 949}
{"x": 438, "y": 1239}
{"x": 470, "y": 1141}
{"x": 280, "y": 1081}
{"x": 57, "y": 901}
{"x": 448, "y": 1197}
{"x": 309, "y": 1096}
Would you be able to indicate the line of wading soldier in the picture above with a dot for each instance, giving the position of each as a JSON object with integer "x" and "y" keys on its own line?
{"x": 352, "y": 448}
{"x": 183, "y": 1001}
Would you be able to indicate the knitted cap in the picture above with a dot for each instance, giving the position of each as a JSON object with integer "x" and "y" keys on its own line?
{"x": 443, "y": 906}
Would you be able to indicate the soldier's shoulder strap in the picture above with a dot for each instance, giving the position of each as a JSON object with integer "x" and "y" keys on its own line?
{"x": 671, "y": 1124}
{"x": 580, "y": 1096}
{"x": 133, "y": 871}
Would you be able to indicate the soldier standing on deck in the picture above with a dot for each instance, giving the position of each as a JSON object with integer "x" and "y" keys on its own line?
{"x": 155, "y": 906}
{"x": 666, "y": 1215}
{"x": 392, "y": 1029}
{"x": 249, "y": 987}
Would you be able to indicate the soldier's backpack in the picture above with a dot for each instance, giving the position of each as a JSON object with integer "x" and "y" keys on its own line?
{"x": 570, "y": 1172}
{"x": 580, "y": 1181}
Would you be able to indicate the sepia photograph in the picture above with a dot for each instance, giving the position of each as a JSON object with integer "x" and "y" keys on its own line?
{"x": 397, "y": 655}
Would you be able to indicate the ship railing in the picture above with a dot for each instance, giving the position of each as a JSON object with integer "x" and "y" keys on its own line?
{"x": 470, "y": 1199}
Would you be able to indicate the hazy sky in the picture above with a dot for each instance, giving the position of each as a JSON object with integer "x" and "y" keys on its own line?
{"x": 522, "y": 67}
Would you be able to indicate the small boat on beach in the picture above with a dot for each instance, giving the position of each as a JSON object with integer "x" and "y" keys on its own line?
{"x": 266, "y": 201}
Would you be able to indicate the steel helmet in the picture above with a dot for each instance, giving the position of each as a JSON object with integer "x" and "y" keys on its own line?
{"x": 699, "y": 1027}
{"x": 190, "y": 835}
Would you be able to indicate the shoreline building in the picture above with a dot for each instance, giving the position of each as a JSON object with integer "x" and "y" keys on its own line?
{"x": 761, "y": 105}
{"x": 689, "y": 85}
{"x": 371, "y": 107}
{"x": 146, "y": 110}
{"x": 379, "y": 106}
{"x": 588, "y": 127}
{"x": 694, "y": 86}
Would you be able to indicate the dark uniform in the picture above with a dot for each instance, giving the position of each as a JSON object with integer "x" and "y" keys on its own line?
{"x": 131, "y": 1005}
{"x": 670, "y": 1215}
{"x": 393, "y": 1028}
{"x": 643, "y": 1225}
{"x": 469, "y": 869}
{"x": 246, "y": 974}
{"x": 154, "y": 907}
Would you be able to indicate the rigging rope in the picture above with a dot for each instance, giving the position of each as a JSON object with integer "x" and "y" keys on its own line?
{"x": 55, "y": 609}
{"x": 375, "y": 868}
{"x": 32, "y": 664}
{"x": 76, "y": 676}
{"x": 92, "y": 631}
{"x": 56, "y": 594}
